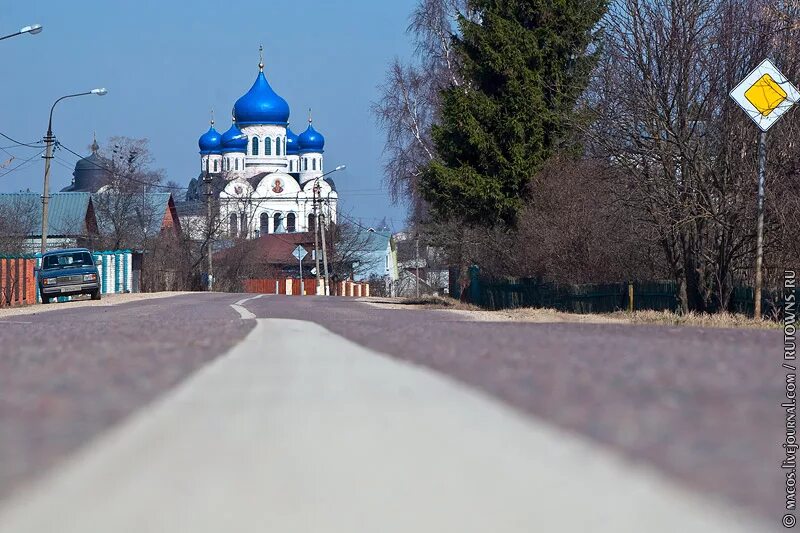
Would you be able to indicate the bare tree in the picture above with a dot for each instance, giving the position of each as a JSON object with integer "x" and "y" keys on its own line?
{"x": 409, "y": 102}
{"x": 17, "y": 223}
{"x": 126, "y": 216}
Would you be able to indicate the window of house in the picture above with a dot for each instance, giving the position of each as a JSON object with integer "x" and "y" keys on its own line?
{"x": 264, "y": 223}
{"x": 234, "y": 227}
{"x": 267, "y": 146}
{"x": 311, "y": 222}
{"x": 255, "y": 146}
{"x": 278, "y": 146}
{"x": 243, "y": 227}
{"x": 277, "y": 221}
{"x": 290, "y": 223}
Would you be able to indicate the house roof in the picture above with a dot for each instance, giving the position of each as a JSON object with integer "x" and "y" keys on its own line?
{"x": 276, "y": 249}
{"x": 192, "y": 208}
{"x": 67, "y": 211}
{"x": 374, "y": 241}
{"x": 152, "y": 207}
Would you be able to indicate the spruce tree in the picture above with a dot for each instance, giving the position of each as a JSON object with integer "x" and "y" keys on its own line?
{"x": 525, "y": 63}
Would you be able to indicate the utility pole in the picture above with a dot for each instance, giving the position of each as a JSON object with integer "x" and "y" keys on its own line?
{"x": 49, "y": 139}
{"x": 325, "y": 259}
{"x": 762, "y": 163}
{"x": 209, "y": 228}
{"x": 316, "y": 232}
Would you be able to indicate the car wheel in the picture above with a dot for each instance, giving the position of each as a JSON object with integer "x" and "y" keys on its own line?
{"x": 45, "y": 299}
{"x": 96, "y": 295}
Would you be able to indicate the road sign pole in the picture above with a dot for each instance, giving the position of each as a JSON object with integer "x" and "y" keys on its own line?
{"x": 302, "y": 285}
{"x": 765, "y": 95}
{"x": 762, "y": 163}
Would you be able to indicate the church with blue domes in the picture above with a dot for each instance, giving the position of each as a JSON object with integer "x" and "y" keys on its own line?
{"x": 262, "y": 173}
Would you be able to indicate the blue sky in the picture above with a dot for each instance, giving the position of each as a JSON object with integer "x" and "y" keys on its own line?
{"x": 166, "y": 64}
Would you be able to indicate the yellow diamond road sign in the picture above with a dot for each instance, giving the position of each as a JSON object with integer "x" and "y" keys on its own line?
{"x": 765, "y": 95}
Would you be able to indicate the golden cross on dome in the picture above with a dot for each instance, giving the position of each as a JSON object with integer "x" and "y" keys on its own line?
{"x": 260, "y": 58}
{"x": 310, "y": 119}
{"x": 212, "y": 116}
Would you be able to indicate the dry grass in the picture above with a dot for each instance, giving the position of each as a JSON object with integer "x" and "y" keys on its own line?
{"x": 528, "y": 314}
{"x": 700, "y": 320}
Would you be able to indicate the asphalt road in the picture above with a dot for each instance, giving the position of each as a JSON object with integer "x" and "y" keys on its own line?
{"x": 698, "y": 406}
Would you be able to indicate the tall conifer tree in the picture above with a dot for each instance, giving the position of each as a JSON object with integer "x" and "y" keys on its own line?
{"x": 525, "y": 62}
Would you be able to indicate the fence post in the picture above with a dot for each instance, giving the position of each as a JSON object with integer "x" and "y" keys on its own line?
{"x": 474, "y": 285}
{"x": 630, "y": 297}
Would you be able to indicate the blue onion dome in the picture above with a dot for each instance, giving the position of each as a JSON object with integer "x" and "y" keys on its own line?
{"x": 261, "y": 105}
{"x": 292, "y": 142}
{"x": 211, "y": 141}
{"x": 311, "y": 140}
{"x": 233, "y": 140}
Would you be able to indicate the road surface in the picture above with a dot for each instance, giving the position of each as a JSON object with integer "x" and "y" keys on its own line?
{"x": 211, "y": 412}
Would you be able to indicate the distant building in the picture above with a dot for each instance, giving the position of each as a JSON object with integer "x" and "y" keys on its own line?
{"x": 262, "y": 173}
{"x": 91, "y": 173}
{"x": 376, "y": 254}
{"x": 71, "y": 220}
{"x": 429, "y": 261}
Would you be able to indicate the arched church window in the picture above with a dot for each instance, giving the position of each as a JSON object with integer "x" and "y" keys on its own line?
{"x": 255, "y": 146}
{"x": 291, "y": 166}
{"x": 278, "y": 146}
{"x": 237, "y": 163}
{"x": 277, "y": 222}
{"x": 264, "y": 223}
{"x": 311, "y": 222}
{"x": 243, "y": 227}
{"x": 267, "y": 146}
{"x": 314, "y": 164}
{"x": 215, "y": 166}
{"x": 234, "y": 227}
{"x": 290, "y": 223}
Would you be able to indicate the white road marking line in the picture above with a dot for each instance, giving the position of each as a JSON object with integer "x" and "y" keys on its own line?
{"x": 13, "y": 322}
{"x": 298, "y": 429}
{"x": 245, "y": 300}
{"x": 243, "y": 312}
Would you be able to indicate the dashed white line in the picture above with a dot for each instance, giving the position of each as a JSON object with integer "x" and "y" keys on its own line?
{"x": 243, "y": 312}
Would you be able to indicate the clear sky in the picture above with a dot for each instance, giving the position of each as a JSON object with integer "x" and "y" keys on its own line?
{"x": 167, "y": 63}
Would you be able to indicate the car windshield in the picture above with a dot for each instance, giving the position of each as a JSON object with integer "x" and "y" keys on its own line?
{"x": 67, "y": 260}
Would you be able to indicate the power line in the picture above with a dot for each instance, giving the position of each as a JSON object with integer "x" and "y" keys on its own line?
{"x": 6, "y": 173}
{"x": 19, "y": 143}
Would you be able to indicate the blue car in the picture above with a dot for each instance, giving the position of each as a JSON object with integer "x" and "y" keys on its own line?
{"x": 68, "y": 273}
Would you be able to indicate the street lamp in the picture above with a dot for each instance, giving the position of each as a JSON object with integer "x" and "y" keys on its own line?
{"x": 49, "y": 139}
{"x": 320, "y": 231}
{"x": 32, "y": 29}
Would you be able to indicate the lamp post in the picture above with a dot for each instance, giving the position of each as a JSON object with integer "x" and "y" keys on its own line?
{"x": 318, "y": 229}
{"x": 33, "y": 29}
{"x": 49, "y": 139}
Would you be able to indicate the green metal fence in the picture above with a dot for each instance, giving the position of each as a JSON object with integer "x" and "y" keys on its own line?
{"x": 595, "y": 297}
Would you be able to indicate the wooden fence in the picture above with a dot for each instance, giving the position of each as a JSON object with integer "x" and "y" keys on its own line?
{"x": 17, "y": 281}
{"x": 292, "y": 287}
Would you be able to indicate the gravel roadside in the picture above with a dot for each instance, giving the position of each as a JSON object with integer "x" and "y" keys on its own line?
{"x": 108, "y": 300}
